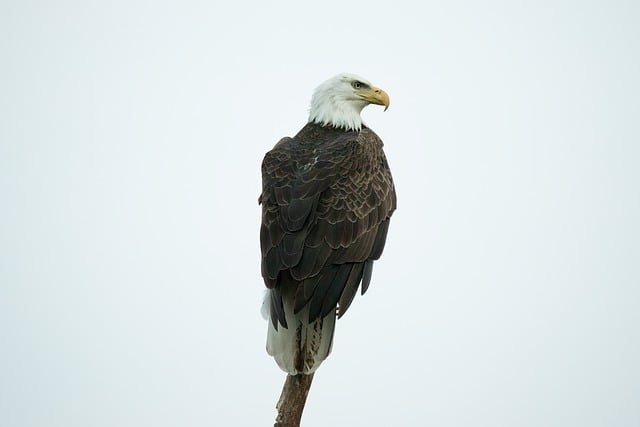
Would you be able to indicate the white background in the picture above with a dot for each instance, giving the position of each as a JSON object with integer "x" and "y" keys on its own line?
{"x": 131, "y": 138}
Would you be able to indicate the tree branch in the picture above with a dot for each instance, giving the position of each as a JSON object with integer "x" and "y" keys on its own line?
{"x": 292, "y": 400}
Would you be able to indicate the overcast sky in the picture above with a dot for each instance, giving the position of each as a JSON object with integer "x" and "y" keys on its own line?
{"x": 130, "y": 148}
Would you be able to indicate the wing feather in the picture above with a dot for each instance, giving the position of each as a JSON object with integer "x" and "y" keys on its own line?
{"x": 326, "y": 200}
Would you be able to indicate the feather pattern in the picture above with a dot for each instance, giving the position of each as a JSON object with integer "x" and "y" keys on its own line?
{"x": 326, "y": 200}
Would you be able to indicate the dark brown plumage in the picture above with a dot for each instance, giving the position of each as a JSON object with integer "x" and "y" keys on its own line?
{"x": 327, "y": 197}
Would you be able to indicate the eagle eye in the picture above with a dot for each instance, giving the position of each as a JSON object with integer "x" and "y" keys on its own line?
{"x": 357, "y": 85}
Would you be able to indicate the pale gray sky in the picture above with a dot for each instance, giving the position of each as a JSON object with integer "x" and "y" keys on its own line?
{"x": 131, "y": 140}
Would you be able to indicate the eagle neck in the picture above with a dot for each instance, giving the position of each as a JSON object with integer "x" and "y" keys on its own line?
{"x": 330, "y": 110}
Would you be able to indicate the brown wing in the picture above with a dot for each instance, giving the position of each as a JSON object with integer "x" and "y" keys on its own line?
{"x": 326, "y": 202}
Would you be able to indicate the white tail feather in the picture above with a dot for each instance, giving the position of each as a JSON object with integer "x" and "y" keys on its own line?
{"x": 300, "y": 348}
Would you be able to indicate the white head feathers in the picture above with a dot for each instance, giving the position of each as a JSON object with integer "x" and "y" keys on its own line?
{"x": 339, "y": 101}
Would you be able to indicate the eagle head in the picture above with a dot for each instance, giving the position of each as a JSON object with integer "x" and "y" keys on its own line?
{"x": 339, "y": 101}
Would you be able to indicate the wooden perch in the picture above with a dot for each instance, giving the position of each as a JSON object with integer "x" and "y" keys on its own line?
{"x": 292, "y": 400}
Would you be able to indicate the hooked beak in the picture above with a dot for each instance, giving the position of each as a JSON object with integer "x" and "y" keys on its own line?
{"x": 375, "y": 95}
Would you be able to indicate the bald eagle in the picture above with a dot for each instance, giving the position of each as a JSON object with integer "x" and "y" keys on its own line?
{"x": 327, "y": 197}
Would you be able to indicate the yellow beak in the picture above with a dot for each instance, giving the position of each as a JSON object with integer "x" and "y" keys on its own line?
{"x": 375, "y": 95}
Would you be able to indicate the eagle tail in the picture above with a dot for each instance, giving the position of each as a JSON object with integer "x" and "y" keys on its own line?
{"x": 300, "y": 347}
